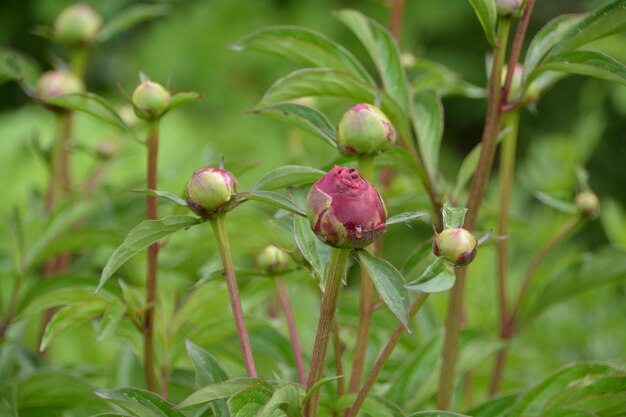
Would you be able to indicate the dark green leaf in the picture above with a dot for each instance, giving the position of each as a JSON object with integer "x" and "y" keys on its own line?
{"x": 249, "y": 402}
{"x": 383, "y": 49}
{"x": 437, "y": 414}
{"x": 305, "y": 46}
{"x": 438, "y": 276}
{"x": 274, "y": 199}
{"x": 406, "y": 217}
{"x": 219, "y": 391}
{"x": 453, "y": 217}
{"x": 486, "y": 12}
{"x": 8, "y": 404}
{"x": 430, "y": 75}
{"x": 139, "y": 401}
{"x": 288, "y": 176}
{"x": 564, "y": 206}
{"x": 15, "y": 66}
{"x": 71, "y": 316}
{"x": 179, "y": 99}
{"x": 302, "y": 117}
{"x": 593, "y": 64}
{"x": 419, "y": 254}
{"x": 142, "y": 236}
{"x": 91, "y": 104}
{"x": 313, "y": 250}
{"x": 389, "y": 283}
{"x": 208, "y": 370}
{"x": 130, "y": 17}
{"x": 164, "y": 194}
{"x": 427, "y": 117}
{"x": 495, "y": 407}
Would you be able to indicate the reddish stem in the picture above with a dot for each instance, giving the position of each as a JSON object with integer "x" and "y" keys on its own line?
{"x": 293, "y": 330}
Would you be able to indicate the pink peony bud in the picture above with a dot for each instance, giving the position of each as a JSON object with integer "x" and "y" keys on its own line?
{"x": 345, "y": 211}
{"x": 57, "y": 83}
{"x": 211, "y": 191}
{"x": 506, "y": 8}
{"x": 456, "y": 246}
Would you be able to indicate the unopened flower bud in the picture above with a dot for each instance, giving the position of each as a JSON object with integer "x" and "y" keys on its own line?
{"x": 364, "y": 130}
{"x": 211, "y": 191}
{"x": 456, "y": 246}
{"x": 507, "y": 8}
{"x": 273, "y": 260}
{"x": 531, "y": 94}
{"x": 150, "y": 99}
{"x": 57, "y": 83}
{"x": 78, "y": 24}
{"x": 346, "y": 211}
{"x": 106, "y": 150}
{"x": 587, "y": 202}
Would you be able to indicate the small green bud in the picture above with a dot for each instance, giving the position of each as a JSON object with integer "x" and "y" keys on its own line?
{"x": 211, "y": 191}
{"x": 273, "y": 260}
{"x": 456, "y": 246}
{"x": 587, "y": 203}
{"x": 106, "y": 150}
{"x": 78, "y": 24}
{"x": 531, "y": 94}
{"x": 507, "y": 8}
{"x": 150, "y": 100}
{"x": 364, "y": 130}
{"x": 57, "y": 83}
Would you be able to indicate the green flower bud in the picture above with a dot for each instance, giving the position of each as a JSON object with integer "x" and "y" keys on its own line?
{"x": 150, "y": 100}
{"x": 364, "y": 130}
{"x": 273, "y": 260}
{"x": 587, "y": 203}
{"x": 456, "y": 246}
{"x": 78, "y": 24}
{"x": 57, "y": 83}
{"x": 106, "y": 150}
{"x": 211, "y": 191}
{"x": 531, "y": 94}
{"x": 507, "y": 8}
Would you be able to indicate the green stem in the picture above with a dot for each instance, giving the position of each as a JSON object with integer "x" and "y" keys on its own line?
{"x": 153, "y": 252}
{"x": 79, "y": 60}
{"x": 507, "y": 173}
{"x": 366, "y": 301}
{"x": 384, "y": 355}
{"x": 218, "y": 225}
{"x": 334, "y": 275}
{"x": 479, "y": 181}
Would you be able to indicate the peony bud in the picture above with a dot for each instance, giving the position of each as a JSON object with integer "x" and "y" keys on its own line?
{"x": 150, "y": 99}
{"x": 106, "y": 150}
{"x": 57, "y": 83}
{"x": 273, "y": 260}
{"x": 344, "y": 210}
{"x": 507, "y": 8}
{"x": 456, "y": 246}
{"x": 78, "y": 24}
{"x": 531, "y": 94}
{"x": 364, "y": 130}
{"x": 587, "y": 202}
{"x": 211, "y": 191}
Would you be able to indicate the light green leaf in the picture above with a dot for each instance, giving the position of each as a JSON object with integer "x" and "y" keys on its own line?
{"x": 164, "y": 194}
{"x": 274, "y": 199}
{"x": 179, "y": 99}
{"x": 15, "y": 66}
{"x": 453, "y": 217}
{"x": 564, "y": 206}
{"x": 111, "y": 317}
{"x": 302, "y": 117}
{"x": 208, "y": 370}
{"x": 305, "y": 46}
{"x": 319, "y": 384}
{"x": 142, "y": 236}
{"x": 287, "y": 396}
{"x": 219, "y": 391}
{"x": 71, "y": 316}
{"x": 406, "y": 217}
{"x": 438, "y": 277}
{"x": 430, "y": 75}
{"x": 427, "y": 117}
{"x": 613, "y": 221}
{"x": 591, "y": 63}
{"x": 91, "y": 104}
{"x": 437, "y": 414}
{"x": 139, "y": 401}
{"x": 383, "y": 49}
{"x": 486, "y": 12}
{"x": 250, "y": 401}
{"x": 288, "y": 176}
{"x": 496, "y": 407}
{"x": 8, "y": 404}
{"x": 130, "y": 17}
{"x": 389, "y": 284}
{"x": 313, "y": 250}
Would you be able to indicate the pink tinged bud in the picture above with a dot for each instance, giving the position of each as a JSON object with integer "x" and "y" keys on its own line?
{"x": 345, "y": 211}
{"x": 57, "y": 83}
{"x": 273, "y": 260}
{"x": 211, "y": 191}
{"x": 456, "y": 246}
{"x": 150, "y": 100}
{"x": 78, "y": 24}
{"x": 506, "y": 8}
{"x": 364, "y": 130}
{"x": 587, "y": 203}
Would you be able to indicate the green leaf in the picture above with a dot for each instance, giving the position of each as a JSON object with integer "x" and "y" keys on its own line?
{"x": 326, "y": 82}
{"x": 313, "y": 250}
{"x": 319, "y": 384}
{"x": 406, "y": 217}
{"x": 305, "y": 46}
{"x": 603, "y": 22}
{"x": 427, "y": 117}
{"x": 486, "y": 12}
{"x": 274, "y": 199}
{"x": 8, "y": 404}
{"x": 15, "y": 66}
{"x": 430, "y": 75}
{"x": 547, "y": 38}
{"x": 139, "y": 401}
{"x": 383, "y": 49}
{"x": 389, "y": 284}
{"x": 302, "y": 117}
{"x": 420, "y": 253}
{"x": 69, "y": 317}
{"x": 163, "y": 194}
{"x": 438, "y": 277}
{"x": 249, "y": 402}
{"x": 130, "y": 17}
{"x": 495, "y": 407}
{"x": 613, "y": 221}
{"x": 453, "y": 217}
{"x": 564, "y": 206}
{"x": 142, "y": 236}
{"x": 437, "y": 414}
{"x": 179, "y": 99}
{"x": 593, "y": 64}
{"x": 54, "y": 292}
{"x": 91, "y": 104}
{"x": 219, "y": 391}
{"x": 208, "y": 370}
{"x": 287, "y": 396}
{"x": 111, "y": 317}
{"x": 288, "y": 176}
